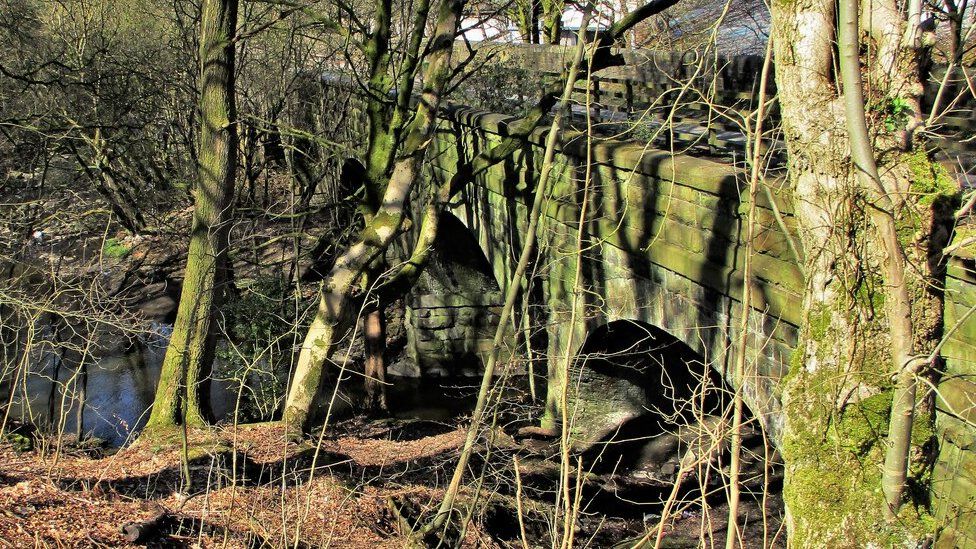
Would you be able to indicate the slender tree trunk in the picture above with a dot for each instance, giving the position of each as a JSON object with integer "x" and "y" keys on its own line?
{"x": 379, "y": 148}
{"x": 82, "y": 395}
{"x": 754, "y": 147}
{"x": 184, "y": 379}
{"x": 122, "y": 198}
{"x": 956, "y": 44}
{"x": 898, "y": 301}
{"x": 374, "y": 331}
{"x": 535, "y": 13}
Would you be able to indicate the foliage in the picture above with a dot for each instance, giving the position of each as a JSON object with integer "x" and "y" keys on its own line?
{"x": 19, "y": 442}
{"x": 106, "y": 85}
{"x": 892, "y": 112}
{"x": 115, "y": 249}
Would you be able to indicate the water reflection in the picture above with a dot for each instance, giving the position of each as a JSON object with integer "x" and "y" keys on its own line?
{"x": 118, "y": 393}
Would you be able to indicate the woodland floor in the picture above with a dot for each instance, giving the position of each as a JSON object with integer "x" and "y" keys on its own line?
{"x": 273, "y": 493}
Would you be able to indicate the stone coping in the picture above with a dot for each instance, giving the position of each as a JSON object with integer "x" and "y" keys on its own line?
{"x": 703, "y": 174}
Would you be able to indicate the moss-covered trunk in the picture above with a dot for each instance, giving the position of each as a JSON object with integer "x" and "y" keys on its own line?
{"x": 837, "y": 398}
{"x": 183, "y": 390}
{"x": 552, "y": 20}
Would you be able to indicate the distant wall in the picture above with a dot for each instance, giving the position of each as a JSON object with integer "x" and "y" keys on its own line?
{"x": 954, "y": 478}
{"x": 452, "y": 311}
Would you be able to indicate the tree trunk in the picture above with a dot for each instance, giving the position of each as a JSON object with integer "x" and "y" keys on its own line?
{"x": 339, "y": 288}
{"x": 184, "y": 381}
{"x": 374, "y": 331}
{"x": 858, "y": 319}
{"x": 897, "y": 300}
{"x": 552, "y": 20}
{"x": 379, "y": 147}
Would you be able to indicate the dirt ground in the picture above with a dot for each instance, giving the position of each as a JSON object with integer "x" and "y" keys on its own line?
{"x": 334, "y": 492}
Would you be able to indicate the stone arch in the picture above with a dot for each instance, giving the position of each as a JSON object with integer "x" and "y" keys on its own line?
{"x": 631, "y": 382}
{"x": 452, "y": 311}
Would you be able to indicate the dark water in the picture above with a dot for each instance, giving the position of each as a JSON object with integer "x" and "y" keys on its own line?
{"x": 120, "y": 390}
{"x": 118, "y": 393}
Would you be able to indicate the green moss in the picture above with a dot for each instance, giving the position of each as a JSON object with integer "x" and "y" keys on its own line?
{"x": 864, "y": 424}
{"x": 796, "y": 361}
{"x": 930, "y": 180}
{"x": 870, "y": 297}
{"x": 19, "y": 442}
{"x": 834, "y": 485}
{"x": 832, "y": 453}
{"x": 819, "y": 322}
{"x": 115, "y": 249}
{"x": 380, "y": 227}
{"x": 963, "y": 233}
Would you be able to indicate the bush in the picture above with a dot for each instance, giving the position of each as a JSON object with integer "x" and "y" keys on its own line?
{"x": 258, "y": 325}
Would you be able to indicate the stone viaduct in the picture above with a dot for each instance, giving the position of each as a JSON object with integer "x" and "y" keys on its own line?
{"x": 663, "y": 256}
{"x": 664, "y": 251}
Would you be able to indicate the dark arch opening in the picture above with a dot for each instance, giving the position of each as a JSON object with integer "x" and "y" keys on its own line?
{"x": 457, "y": 252}
{"x": 636, "y": 383}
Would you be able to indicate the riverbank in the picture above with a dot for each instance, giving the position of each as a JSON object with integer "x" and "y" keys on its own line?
{"x": 259, "y": 494}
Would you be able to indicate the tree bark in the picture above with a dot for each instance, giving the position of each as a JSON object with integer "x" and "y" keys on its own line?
{"x": 374, "y": 331}
{"x": 552, "y": 20}
{"x": 835, "y": 490}
{"x": 339, "y": 287}
{"x": 184, "y": 382}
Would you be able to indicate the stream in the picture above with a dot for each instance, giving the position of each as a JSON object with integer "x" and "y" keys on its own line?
{"x": 121, "y": 387}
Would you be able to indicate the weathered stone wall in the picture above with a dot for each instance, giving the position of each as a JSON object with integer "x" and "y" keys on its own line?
{"x": 954, "y": 478}
{"x": 449, "y": 334}
{"x": 664, "y": 246}
{"x": 452, "y": 311}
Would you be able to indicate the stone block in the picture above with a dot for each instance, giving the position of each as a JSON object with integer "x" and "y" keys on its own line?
{"x": 960, "y": 356}
{"x": 956, "y": 488}
{"x": 952, "y": 538}
{"x": 955, "y": 316}
{"x": 957, "y": 396}
{"x": 954, "y": 432}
